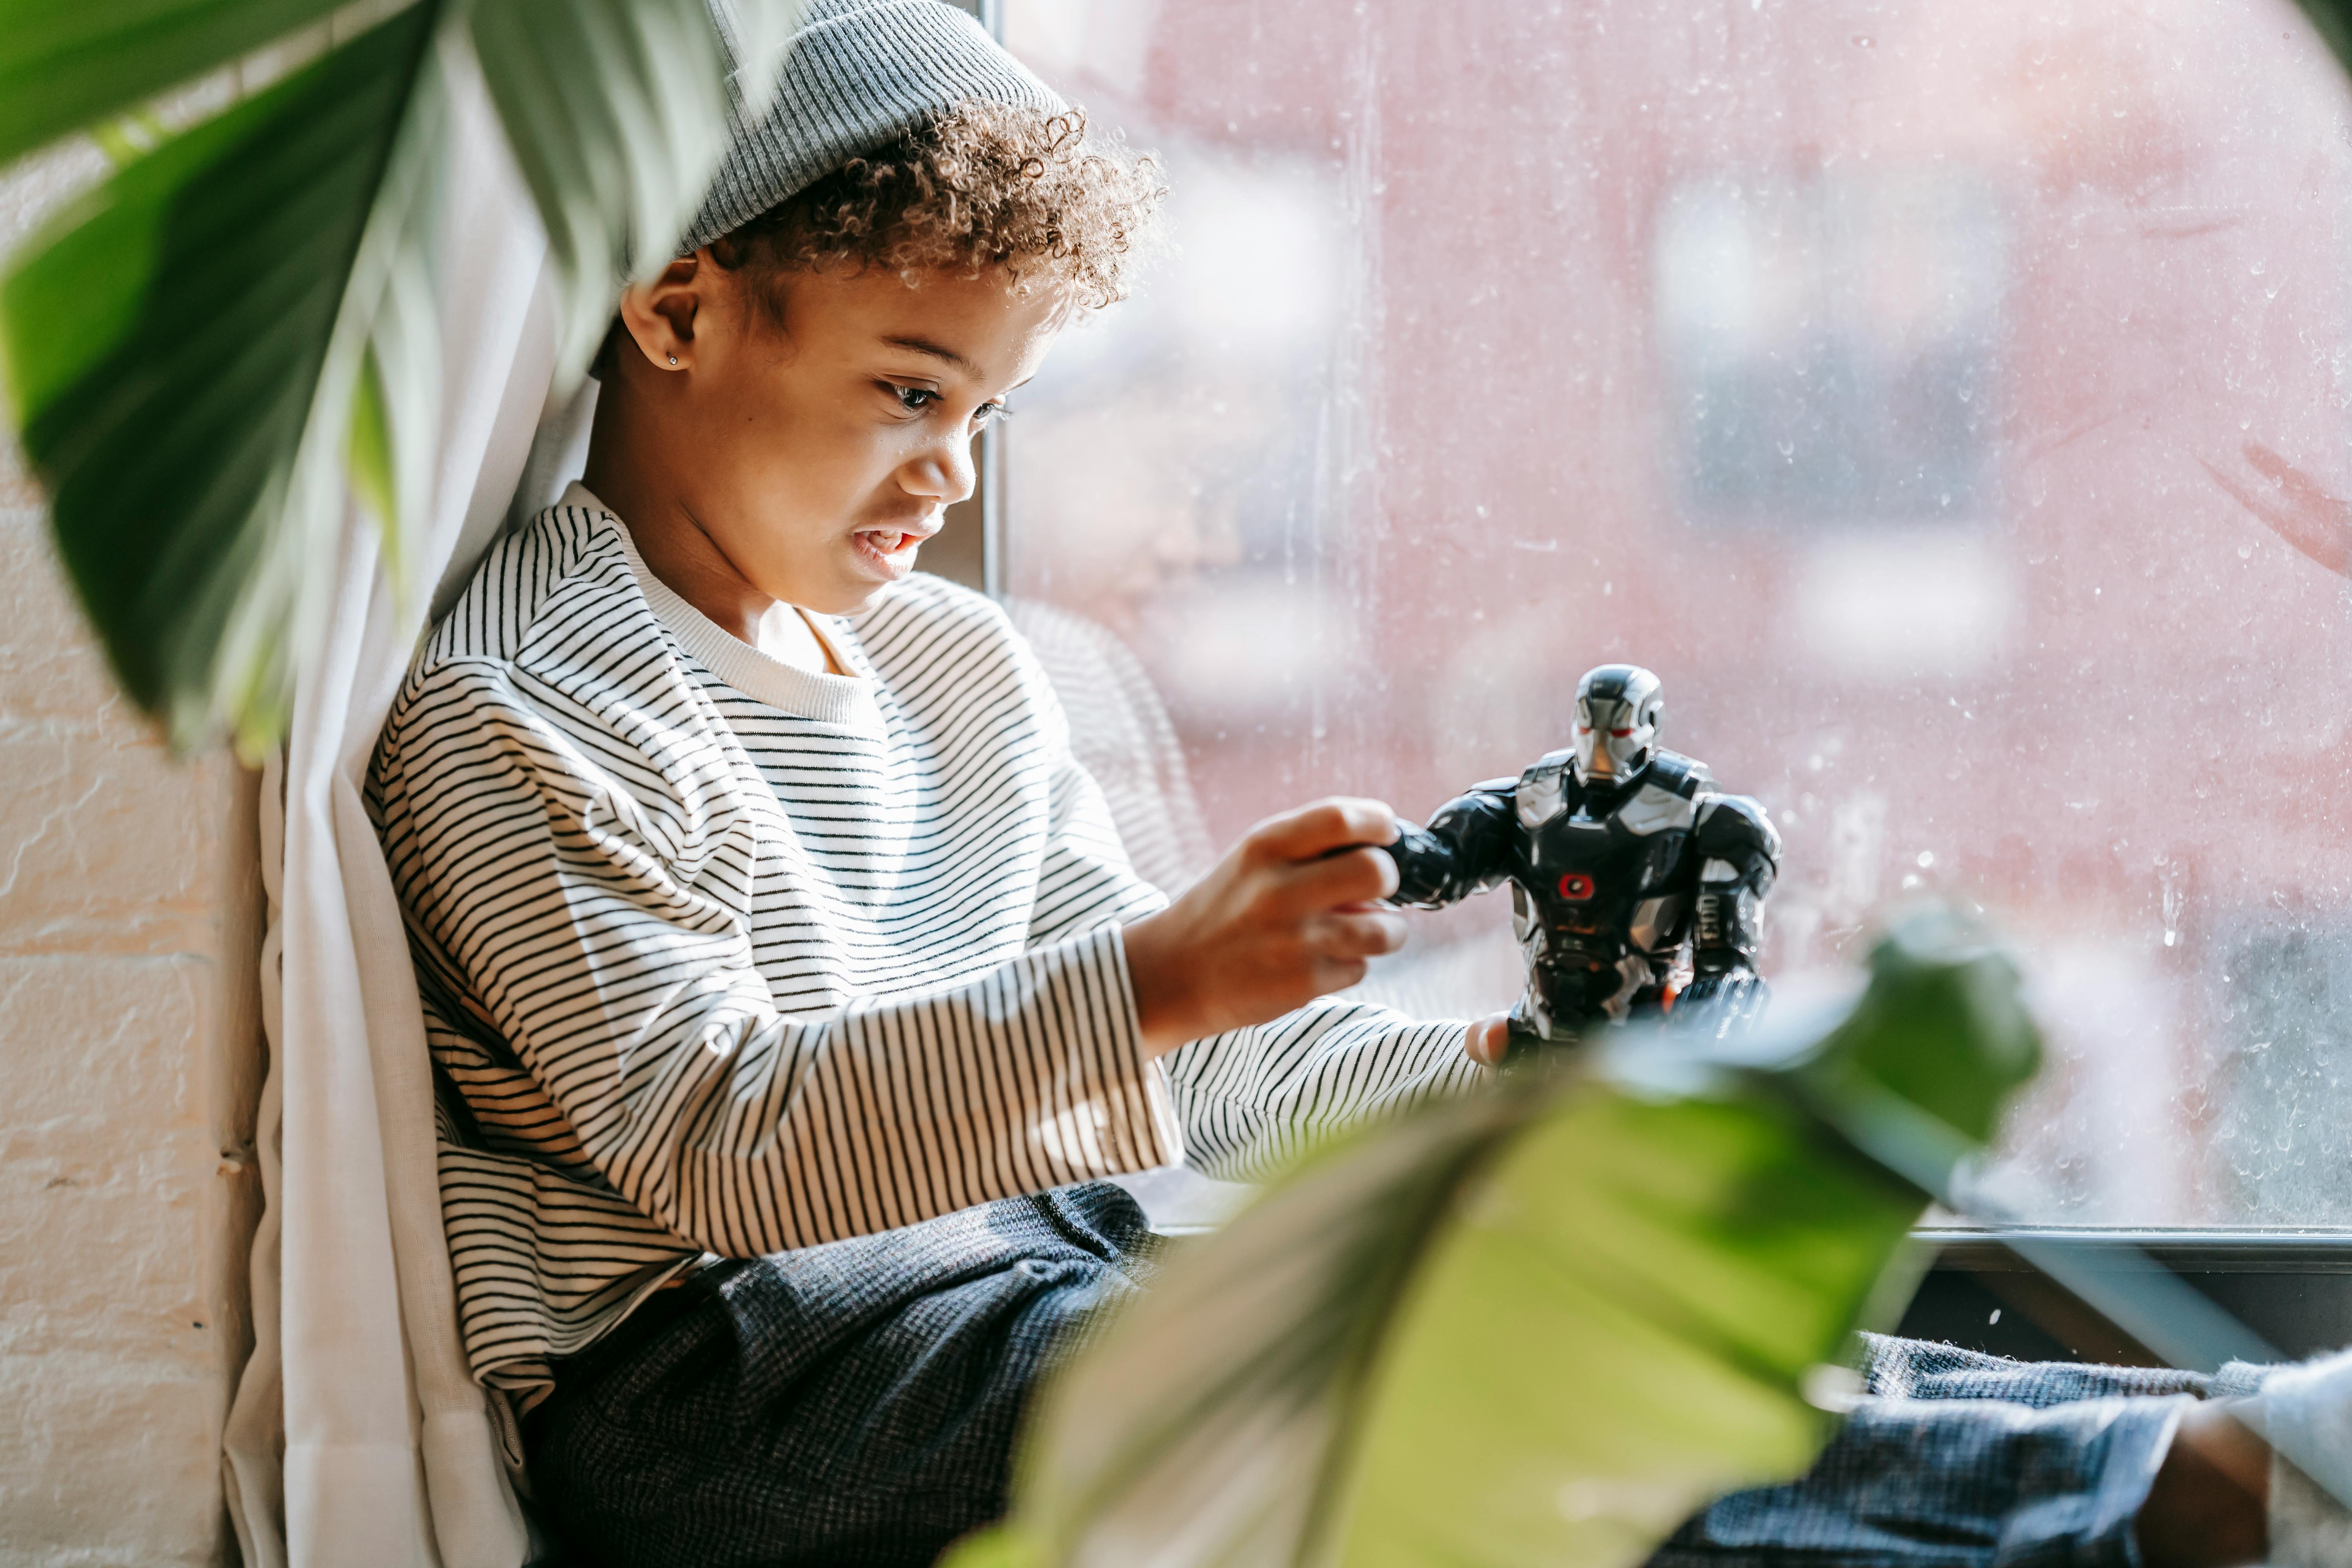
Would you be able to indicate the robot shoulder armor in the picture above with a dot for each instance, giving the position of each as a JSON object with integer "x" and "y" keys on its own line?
{"x": 1737, "y": 824}
{"x": 1685, "y": 776}
{"x": 1550, "y": 764}
{"x": 1671, "y": 786}
{"x": 1542, "y": 789}
{"x": 1487, "y": 800}
{"x": 1655, "y": 807}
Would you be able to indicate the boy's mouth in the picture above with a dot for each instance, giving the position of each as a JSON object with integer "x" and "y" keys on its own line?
{"x": 888, "y": 553}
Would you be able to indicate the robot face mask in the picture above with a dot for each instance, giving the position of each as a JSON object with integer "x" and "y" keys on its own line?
{"x": 1617, "y": 711}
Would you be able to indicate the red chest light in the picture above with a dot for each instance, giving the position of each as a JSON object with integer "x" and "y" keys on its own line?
{"x": 1576, "y": 887}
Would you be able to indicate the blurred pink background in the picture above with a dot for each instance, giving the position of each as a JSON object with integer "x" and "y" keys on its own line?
{"x": 1883, "y": 375}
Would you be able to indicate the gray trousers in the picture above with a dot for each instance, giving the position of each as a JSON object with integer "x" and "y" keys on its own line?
{"x": 852, "y": 1405}
{"x": 1961, "y": 1459}
{"x": 857, "y": 1404}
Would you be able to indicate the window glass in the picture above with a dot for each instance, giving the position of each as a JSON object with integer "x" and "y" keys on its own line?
{"x": 1946, "y": 401}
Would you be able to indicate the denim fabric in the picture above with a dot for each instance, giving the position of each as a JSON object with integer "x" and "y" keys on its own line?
{"x": 851, "y": 1405}
{"x": 857, "y": 1404}
{"x": 1965, "y": 1460}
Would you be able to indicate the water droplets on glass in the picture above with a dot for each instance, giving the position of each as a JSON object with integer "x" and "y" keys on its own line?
{"x": 1946, "y": 401}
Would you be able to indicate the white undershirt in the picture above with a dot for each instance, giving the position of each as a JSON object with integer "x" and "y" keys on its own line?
{"x": 786, "y": 636}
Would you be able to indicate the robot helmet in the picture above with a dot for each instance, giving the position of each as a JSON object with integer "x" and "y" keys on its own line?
{"x": 1617, "y": 711}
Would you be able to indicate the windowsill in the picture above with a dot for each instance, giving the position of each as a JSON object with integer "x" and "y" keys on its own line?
{"x": 2248, "y": 1250}
{"x": 2294, "y": 1288}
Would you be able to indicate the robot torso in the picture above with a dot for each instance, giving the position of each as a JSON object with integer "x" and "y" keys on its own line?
{"x": 1594, "y": 878}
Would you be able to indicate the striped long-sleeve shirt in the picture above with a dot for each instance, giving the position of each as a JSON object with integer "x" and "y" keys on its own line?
{"x": 719, "y": 955}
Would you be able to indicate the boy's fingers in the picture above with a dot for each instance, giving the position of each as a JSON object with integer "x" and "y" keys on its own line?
{"x": 1339, "y": 973}
{"x": 1488, "y": 1040}
{"x": 1338, "y": 823}
{"x": 1351, "y": 877}
{"x": 1359, "y": 935}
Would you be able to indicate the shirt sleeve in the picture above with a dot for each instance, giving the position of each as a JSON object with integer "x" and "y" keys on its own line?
{"x": 1250, "y": 1100}
{"x": 1088, "y": 876}
{"x": 567, "y": 880}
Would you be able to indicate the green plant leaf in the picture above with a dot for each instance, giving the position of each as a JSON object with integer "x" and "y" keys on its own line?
{"x": 372, "y": 443}
{"x": 999, "y": 1547}
{"x": 127, "y": 138}
{"x": 2332, "y": 20}
{"x": 66, "y": 63}
{"x": 215, "y": 354}
{"x": 617, "y": 111}
{"x": 180, "y": 348}
{"x": 1538, "y": 1326}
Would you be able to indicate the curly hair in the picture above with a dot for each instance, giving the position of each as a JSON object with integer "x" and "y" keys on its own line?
{"x": 984, "y": 187}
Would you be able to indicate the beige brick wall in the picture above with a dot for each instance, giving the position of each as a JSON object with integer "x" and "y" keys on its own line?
{"x": 130, "y": 1058}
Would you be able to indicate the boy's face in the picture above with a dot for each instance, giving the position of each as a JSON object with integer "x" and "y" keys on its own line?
{"x": 816, "y": 454}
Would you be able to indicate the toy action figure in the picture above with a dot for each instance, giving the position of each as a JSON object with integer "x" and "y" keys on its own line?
{"x": 1618, "y": 853}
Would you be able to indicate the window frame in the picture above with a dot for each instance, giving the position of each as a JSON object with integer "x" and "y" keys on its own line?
{"x": 2292, "y": 1288}
{"x": 970, "y": 549}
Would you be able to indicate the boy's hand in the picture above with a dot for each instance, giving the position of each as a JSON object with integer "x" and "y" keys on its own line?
{"x": 1289, "y": 914}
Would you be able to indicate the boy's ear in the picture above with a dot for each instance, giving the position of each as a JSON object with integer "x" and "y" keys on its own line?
{"x": 659, "y": 315}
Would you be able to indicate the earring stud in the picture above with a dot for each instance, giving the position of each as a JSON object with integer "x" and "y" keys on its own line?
{"x": 673, "y": 359}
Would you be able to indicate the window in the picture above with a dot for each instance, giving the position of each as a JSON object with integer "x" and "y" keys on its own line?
{"x": 1894, "y": 380}
{"x": 1828, "y": 344}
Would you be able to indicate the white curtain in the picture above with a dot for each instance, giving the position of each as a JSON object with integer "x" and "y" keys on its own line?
{"x": 358, "y": 1437}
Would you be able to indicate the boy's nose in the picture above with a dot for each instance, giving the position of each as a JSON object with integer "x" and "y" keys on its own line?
{"x": 944, "y": 472}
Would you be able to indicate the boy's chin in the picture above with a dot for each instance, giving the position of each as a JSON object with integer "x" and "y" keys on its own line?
{"x": 849, "y": 598}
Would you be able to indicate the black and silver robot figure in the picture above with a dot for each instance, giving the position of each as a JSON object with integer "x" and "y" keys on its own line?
{"x": 1619, "y": 855}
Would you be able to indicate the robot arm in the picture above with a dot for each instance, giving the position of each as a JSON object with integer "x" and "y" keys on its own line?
{"x": 1465, "y": 849}
{"x": 1738, "y": 852}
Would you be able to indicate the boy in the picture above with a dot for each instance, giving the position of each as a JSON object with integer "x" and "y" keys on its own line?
{"x": 782, "y": 969}
{"x": 758, "y": 904}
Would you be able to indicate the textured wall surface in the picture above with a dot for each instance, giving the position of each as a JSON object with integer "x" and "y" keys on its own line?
{"x": 130, "y": 1056}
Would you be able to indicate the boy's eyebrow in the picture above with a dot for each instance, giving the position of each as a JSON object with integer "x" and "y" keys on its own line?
{"x": 925, "y": 346}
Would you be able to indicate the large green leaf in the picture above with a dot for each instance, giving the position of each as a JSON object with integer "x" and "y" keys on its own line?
{"x": 167, "y": 343}
{"x": 2332, "y": 20}
{"x": 1537, "y": 1327}
{"x": 63, "y": 65}
{"x": 614, "y": 108}
{"x": 212, "y": 355}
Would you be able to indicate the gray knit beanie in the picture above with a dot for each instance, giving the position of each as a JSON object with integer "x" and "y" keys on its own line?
{"x": 855, "y": 74}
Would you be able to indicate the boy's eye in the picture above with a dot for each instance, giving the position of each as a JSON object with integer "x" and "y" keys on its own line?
{"x": 990, "y": 413}
{"x": 914, "y": 399}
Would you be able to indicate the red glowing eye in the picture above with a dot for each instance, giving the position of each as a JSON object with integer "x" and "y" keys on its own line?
{"x": 1621, "y": 734}
{"x": 1584, "y": 728}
